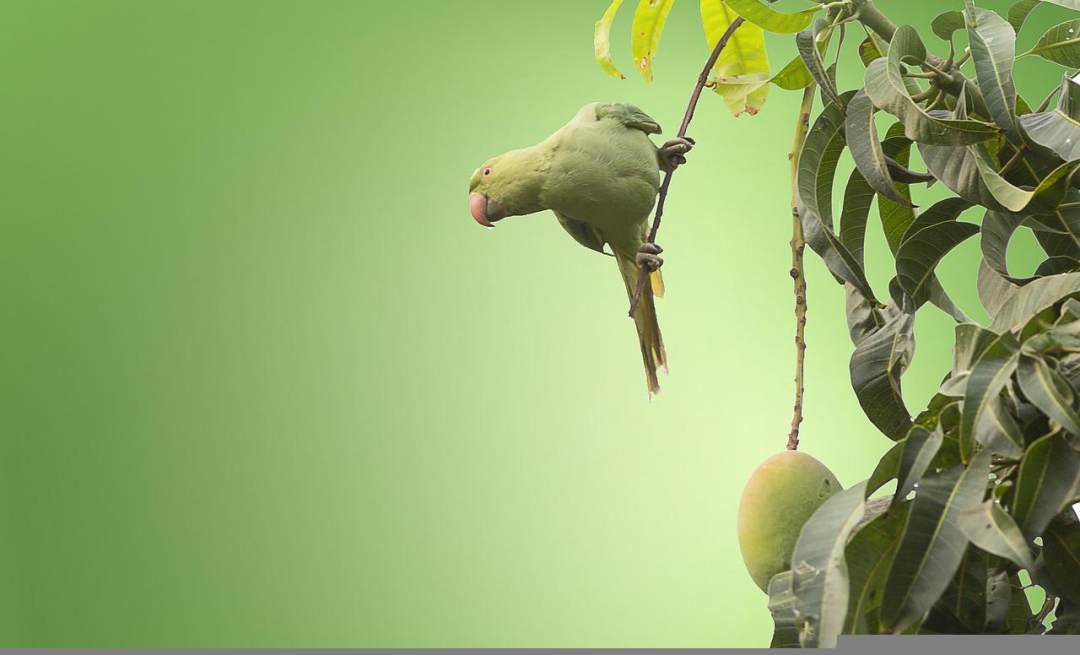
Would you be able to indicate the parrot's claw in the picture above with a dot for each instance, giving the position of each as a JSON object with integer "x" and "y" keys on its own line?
{"x": 673, "y": 153}
{"x": 648, "y": 256}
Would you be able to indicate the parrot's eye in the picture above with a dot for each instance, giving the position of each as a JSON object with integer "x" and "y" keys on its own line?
{"x": 487, "y": 171}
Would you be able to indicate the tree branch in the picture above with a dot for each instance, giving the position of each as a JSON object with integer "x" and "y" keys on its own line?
{"x": 643, "y": 272}
{"x": 798, "y": 274}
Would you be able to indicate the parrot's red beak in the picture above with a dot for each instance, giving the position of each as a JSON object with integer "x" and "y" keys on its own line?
{"x": 478, "y": 206}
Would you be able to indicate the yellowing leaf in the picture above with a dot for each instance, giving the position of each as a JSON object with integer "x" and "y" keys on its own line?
{"x": 648, "y": 24}
{"x": 602, "y": 40}
{"x": 741, "y": 74}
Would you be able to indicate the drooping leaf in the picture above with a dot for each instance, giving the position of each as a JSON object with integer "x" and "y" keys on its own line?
{"x": 947, "y": 22}
{"x": 1048, "y": 483}
{"x": 820, "y": 580}
{"x": 649, "y": 19}
{"x": 990, "y": 372}
{"x": 1032, "y": 298}
{"x": 888, "y": 467}
{"x": 863, "y": 316}
{"x": 858, "y": 196}
{"x": 862, "y": 139}
{"x": 993, "y": 48}
{"x": 741, "y": 73}
{"x": 869, "y": 554}
{"x": 1060, "y": 44}
{"x": 1019, "y": 11}
{"x": 990, "y": 527}
{"x": 602, "y": 40}
{"x": 816, "y": 170}
{"x": 994, "y": 290}
{"x": 962, "y": 606}
{"x": 920, "y": 446}
{"x": 932, "y": 544}
{"x": 771, "y": 20}
{"x": 1061, "y": 558}
{"x": 896, "y": 217}
{"x": 782, "y": 609}
{"x": 876, "y": 366}
{"x": 997, "y": 230}
{"x": 921, "y": 252}
{"x": 793, "y": 76}
{"x": 1046, "y": 389}
{"x": 1058, "y": 130}
{"x": 806, "y": 42}
{"x": 868, "y": 51}
{"x": 886, "y": 88}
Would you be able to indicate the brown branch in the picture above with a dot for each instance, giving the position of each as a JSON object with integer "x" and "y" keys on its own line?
{"x": 798, "y": 274}
{"x": 703, "y": 78}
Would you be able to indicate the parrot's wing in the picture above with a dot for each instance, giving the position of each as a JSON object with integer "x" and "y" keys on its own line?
{"x": 583, "y": 233}
{"x": 628, "y": 115}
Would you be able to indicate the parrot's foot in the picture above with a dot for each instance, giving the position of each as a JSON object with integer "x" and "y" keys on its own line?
{"x": 648, "y": 256}
{"x": 673, "y": 153}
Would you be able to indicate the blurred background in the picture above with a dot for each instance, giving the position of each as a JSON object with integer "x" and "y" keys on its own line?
{"x": 266, "y": 383}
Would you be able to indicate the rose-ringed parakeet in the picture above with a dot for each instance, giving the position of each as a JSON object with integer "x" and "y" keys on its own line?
{"x": 599, "y": 174}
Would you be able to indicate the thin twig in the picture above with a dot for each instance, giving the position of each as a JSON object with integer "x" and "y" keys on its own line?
{"x": 643, "y": 271}
{"x": 798, "y": 275}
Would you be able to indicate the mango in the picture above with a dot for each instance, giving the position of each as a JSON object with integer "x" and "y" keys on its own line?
{"x": 778, "y": 499}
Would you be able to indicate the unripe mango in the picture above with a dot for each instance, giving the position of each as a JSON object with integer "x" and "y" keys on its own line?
{"x": 778, "y": 499}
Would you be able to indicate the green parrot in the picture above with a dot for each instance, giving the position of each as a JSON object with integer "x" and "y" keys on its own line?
{"x": 599, "y": 174}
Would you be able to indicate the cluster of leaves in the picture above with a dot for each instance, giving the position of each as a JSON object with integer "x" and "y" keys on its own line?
{"x": 986, "y": 475}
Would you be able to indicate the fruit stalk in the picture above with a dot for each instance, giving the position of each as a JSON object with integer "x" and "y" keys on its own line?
{"x": 798, "y": 274}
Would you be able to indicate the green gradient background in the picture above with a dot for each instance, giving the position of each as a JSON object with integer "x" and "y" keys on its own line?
{"x": 265, "y": 382}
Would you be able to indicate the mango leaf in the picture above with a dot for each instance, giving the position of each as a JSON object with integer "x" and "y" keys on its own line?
{"x": 868, "y": 51}
{"x": 1027, "y": 301}
{"x": 771, "y": 20}
{"x": 1019, "y": 11}
{"x": 999, "y": 431}
{"x": 888, "y": 468}
{"x": 876, "y": 366}
{"x": 942, "y": 211}
{"x": 947, "y": 22}
{"x": 806, "y": 42}
{"x": 1057, "y": 265}
{"x": 920, "y": 254}
{"x": 990, "y": 527}
{"x": 869, "y": 555}
{"x": 816, "y": 170}
{"x": 741, "y": 73}
{"x": 793, "y": 76}
{"x": 896, "y": 217}
{"x": 858, "y": 196}
{"x": 994, "y": 290}
{"x": 782, "y": 609}
{"x": 886, "y": 88}
{"x": 820, "y": 580}
{"x": 602, "y": 40}
{"x": 1060, "y": 44}
{"x": 1049, "y": 475}
{"x": 997, "y": 230}
{"x": 1058, "y": 130}
{"x": 932, "y": 545}
{"x": 920, "y": 446}
{"x": 1061, "y": 558}
{"x": 649, "y": 19}
{"x": 962, "y": 606}
{"x": 993, "y": 48}
{"x": 990, "y": 372}
{"x": 1046, "y": 389}
{"x": 862, "y": 139}
{"x": 1066, "y": 618}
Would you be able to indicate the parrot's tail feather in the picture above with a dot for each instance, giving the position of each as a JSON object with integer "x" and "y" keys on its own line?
{"x": 653, "y": 355}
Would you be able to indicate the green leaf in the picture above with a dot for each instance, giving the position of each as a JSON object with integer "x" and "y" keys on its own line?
{"x": 997, "y": 230}
{"x": 862, "y": 139}
{"x": 876, "y": 366}
{"x": 990, "y": 372}
{"x": 1048, "y": 391}
{"x": 920, "y": 254}
{"x": 806, "y": 42}
{"x": 947, "y": 22}
{"x": 888, "y": 467}
{"x": 602, "y": 40}
{"x": 741, "y": 73}
{"x": 782, "y": 609}
{"x": 1048, "y": 480}
{"x": 858, "y": 196}
{"x": 994, "y": 290}
{"x": 1066, "y": 619}
{"x": 1019, "y": 11}
{"x": 869, "y": 555}
{"x": 1058, "y": 130}
{"x": 868, "y": 51}
{"x": 793, "y": 76}
{"x": 820, "y": 572}
{"x": 649, "y": 19}
{"x": 1060, "y": 44}
{"x": 933, "y": 544}
{"x": 920, "y": 446}
{"x": 1027, "y": 301}
{"x": 885, "y": 86}
{"x": 896, "y": 217}
{"x": 962, "y": 606}
{"x": 1061, "y": 558}
{"x": 816, "y": 170}
{"x": 990, "y": 527}
{"x": 993, "y": 48}
{"x": 769, "y": 19}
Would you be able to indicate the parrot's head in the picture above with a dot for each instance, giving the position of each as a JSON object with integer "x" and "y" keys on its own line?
{"x": 507, "y": 185}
